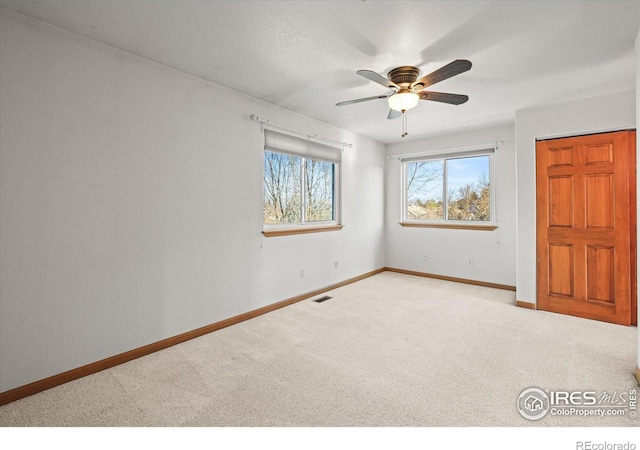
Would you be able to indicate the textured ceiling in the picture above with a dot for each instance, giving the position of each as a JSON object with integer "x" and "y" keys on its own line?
{"x": 303, "y": 55}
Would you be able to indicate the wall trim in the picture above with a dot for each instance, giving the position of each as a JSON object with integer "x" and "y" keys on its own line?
{"x": 107, "y": 363}
{"x": 455, "y": 279}
{"x": 637, "y": 374}
{"x": 528, "y": 305}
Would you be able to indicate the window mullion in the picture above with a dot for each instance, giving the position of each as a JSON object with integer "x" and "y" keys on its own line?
{"x": 445, "y": 199}
{"x": 404, "y": 200}
{"x": 303, "y": 191}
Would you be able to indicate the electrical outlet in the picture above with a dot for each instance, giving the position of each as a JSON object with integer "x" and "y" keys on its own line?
{"x": 301, "y": 273}
{"x": 335, "y": 264}
{"x": 470, "y": 261}
{"x": 425, "y": 258}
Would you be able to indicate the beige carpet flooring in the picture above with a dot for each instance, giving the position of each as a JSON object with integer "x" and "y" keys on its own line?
{"x": 392, "y": 350}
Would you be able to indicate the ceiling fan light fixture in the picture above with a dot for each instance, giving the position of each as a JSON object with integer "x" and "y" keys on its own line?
{"x": 403, "y": 101}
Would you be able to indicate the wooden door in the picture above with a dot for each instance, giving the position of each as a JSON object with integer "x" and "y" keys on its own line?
{"x": 586, "y": 220}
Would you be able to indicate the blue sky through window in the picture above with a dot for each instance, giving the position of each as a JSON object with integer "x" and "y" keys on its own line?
{"x": 463, "y": 171}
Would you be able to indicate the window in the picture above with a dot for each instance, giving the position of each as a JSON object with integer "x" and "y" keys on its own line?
{"x": 286, "y": 177}
{"x": 452, "y": 190}
{"x": 301, "y": 182}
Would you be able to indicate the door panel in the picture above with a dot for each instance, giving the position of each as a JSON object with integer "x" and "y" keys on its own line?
{"x": 586, "y": 226}
{"x": 560, "y": 157}
{"x": 561, "y": 201}
{"x": 561, "y": 270}
{"x": 599, "y": 202}
{"x": 597, "y": 154}
{"x": 600, "y": 274}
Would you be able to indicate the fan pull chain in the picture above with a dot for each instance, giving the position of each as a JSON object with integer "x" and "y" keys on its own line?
{"x": 404, "y": 123}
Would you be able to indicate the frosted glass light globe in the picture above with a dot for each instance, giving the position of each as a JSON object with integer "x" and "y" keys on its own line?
{"x": 403, "y": 101}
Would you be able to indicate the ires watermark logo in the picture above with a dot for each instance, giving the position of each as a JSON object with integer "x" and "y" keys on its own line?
{"x": 534, "y": 403}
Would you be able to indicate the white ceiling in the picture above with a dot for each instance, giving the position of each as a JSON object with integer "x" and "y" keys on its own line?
{"x": 303, "y": 55}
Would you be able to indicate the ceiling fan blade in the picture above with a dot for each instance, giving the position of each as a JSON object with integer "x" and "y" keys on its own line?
{"x": 453, "y": 68}
{"x": 393, "y": 114}
{"x": 358, "y": 100}
{"x": 453, "y": 99}
{"x": 376, "y": 77}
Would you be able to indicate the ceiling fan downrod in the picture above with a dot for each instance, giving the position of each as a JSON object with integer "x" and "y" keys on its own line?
{"x": 404, "y": 123}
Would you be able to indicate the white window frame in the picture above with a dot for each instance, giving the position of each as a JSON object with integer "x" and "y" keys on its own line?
{"x": 307, "y": 151}
{"x": 446, "y": 223}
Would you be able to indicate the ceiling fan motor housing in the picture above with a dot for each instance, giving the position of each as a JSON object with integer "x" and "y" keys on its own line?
{"x": 404, "y": 76}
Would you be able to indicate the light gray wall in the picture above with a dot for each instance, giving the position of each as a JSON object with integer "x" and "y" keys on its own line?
{"x": 131, "y": 204}
{"x": 448, "y": 250}
{"x": 605, "y": 113}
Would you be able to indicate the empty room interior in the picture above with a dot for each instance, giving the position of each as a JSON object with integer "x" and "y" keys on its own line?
{"x": 318, "y": 213}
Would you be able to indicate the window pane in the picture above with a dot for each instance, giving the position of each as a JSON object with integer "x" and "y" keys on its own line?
{"x": 282, "y": 188}
{"x": 424, "y": 190}
{"x": 319, "y": 190}
{"x": 468, "y": 190}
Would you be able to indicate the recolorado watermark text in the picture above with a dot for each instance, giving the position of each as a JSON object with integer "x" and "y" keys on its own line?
{"x": 588, "y": 445}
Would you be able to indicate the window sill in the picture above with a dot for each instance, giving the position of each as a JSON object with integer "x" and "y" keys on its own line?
{"x": 300, "y": 230}
{"x": 450, "y": 226}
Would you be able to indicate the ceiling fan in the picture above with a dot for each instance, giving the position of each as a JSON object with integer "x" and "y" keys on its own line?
{"x": 407, "y": 89}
